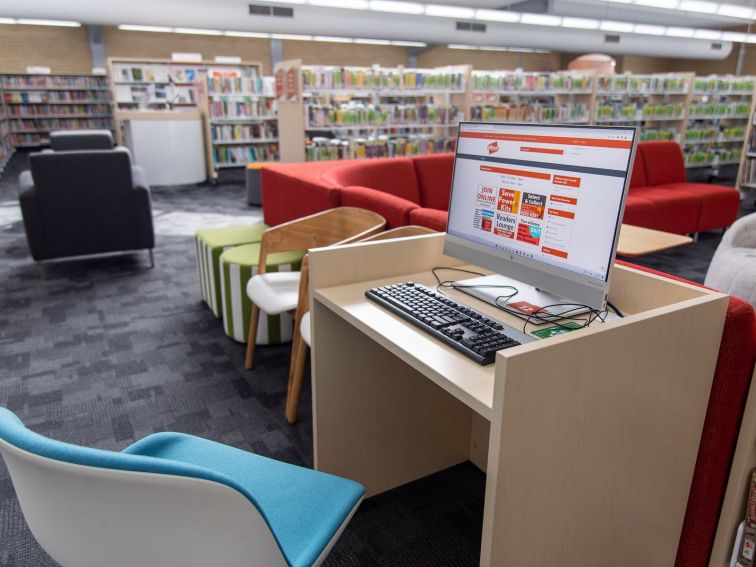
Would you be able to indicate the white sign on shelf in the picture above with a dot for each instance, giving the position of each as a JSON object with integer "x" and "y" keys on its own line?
{"x": 35, "y": 70}
{"x": 186, "y": 57}
{"x": 227, "y": 59}
{"x": 99, "y": 71}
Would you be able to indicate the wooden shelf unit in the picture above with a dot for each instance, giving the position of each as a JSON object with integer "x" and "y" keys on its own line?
{"x": 34, "y": 105}
{"x": 746, "y": 180}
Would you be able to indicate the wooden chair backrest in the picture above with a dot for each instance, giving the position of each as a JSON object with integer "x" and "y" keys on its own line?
{"x": 400, "y": 232}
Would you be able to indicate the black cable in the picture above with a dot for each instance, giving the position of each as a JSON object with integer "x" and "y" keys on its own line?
{"x": 613, "y": 307}
{"x": 454, "y": 285}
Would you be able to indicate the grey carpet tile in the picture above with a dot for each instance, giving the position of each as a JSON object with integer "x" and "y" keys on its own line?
{"x": 105, "y": 351}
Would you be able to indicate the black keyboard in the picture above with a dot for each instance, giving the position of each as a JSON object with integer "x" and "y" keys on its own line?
{"x": 466, "y": 330}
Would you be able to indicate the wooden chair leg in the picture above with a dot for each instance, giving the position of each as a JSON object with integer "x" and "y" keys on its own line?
{"x": 296, "y": 372}
{"x": 252, "y": 336}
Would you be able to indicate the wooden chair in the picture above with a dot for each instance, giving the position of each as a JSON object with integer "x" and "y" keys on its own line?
{"x": 281, "y": 292}
{"x": 301, "y": 342}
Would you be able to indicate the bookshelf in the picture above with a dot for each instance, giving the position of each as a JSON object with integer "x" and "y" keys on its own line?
{"x": 239, "y": 110}
{"x": 156, "y": 84}
{"x": 6, "y": 142}
{"x": 35, "y": 105}
{"x": 717, "y": 121}
{"x": 563, "y": 96}
{"x": 366, "y": 112}
{"x": 746, "y": 180}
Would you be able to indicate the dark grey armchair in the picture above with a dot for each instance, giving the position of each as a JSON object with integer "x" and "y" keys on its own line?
{"x": 73, "y": 140}
{"x": 85, "y": 202}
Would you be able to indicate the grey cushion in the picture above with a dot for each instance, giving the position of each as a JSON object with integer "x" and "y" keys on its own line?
{"x": 72, "y": 140}
{"x": 733, "y": 267}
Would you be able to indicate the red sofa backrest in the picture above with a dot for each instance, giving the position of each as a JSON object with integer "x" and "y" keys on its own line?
{"x": 638, "y": 176}
{"x": 434, "y": 175}
{"x": 663, "y": 162}
{"x": 729, "y": 393}
{"x": 395, "y": 176}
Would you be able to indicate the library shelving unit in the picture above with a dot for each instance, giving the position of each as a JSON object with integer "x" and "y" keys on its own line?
{"x": 239, "y": 110}
{"x": 561, "y": 96}
{"x": 746, "y": 180}
{"x": 717, "y": 119}
{"x": 37, "y": 104}
{"x": 154, "y": 84}
{"x": 655, "y": 103}
{"x": 331, "y": 112}
{"x": 6, "y": 142}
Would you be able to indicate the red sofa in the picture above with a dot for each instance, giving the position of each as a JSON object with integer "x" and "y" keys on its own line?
{"x": 416, "y": 191}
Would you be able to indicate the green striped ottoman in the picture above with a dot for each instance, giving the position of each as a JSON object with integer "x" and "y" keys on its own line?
{"x": 210, "y": 244}
{"x": 238, "y": 265}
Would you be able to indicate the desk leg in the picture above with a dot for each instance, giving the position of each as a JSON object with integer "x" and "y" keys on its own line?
{"x": 375, "y": 419}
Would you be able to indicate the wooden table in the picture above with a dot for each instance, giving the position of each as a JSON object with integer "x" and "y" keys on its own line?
{"x": 638, "y": 241}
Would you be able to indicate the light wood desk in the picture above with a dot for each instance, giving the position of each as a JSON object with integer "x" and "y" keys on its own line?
{"x": 638, "y": 241}
{"x": 589, "y": 439}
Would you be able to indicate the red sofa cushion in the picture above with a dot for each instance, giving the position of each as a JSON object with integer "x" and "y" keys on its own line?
{"x": 430, "y": 218}
{"x": 719, "y": 204}
{"x": 394, "y": 176}
{"x": 677, "y": 212}
{"x": 663, "y": 162}
{"x": 294, "y": 190}
{"x": 638, "y": 176}
{"x": 395, "y": 210}
{"x": 434, "y": 174}
{"x": 729, "y": 392}
{"x": 641, "y": 212}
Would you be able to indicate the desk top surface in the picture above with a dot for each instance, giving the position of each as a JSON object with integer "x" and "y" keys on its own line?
{"x": 638, "y": 241}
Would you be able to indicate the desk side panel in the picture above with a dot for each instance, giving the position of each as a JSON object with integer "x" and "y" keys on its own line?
{"x": 594, "y": 441}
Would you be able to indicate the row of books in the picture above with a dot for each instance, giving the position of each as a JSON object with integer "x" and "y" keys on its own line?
{"x": 72, "y": 109}
{"x": 534, "y": 112}
{"x": 720, "y": 110}
{"x": 379, "y": 79}
{"x": 239, "y": 155}
{"x": 30, "y": 139}
{"x": 712, "y": 157}
{"x": 52, "y": 81}
{"x": 320, "y": 149}
{"x": 242, "y": 132}
{"x": 240, "y": 109}
{"x": 723, "y": 85}
{"x": 41, "y": 97}
{"x": 654, "y": 134}
{"x": 49, "y": 124}
{"x": 231, "y": 85}
{"x": 748, "y": 173}
{"x": 156, "y": 94}
{"x": 734, "y": 133}
{"x": 537, "y": 82}
{"x": 617, "y": 111}
{"x": 154, "y": 73}
{"x": 358, "y": 114}
{"x": 640, "y": 84}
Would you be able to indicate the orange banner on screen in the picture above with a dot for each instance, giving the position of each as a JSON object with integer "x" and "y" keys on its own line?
{"x": 532, "y": 149}
{"x": 563, "y": 199}
{"x": 564, "y": 140}
{"x": 567, "y": 180}
{"x": 561, "y": 213}
{"x": 533, "y": 174}
{"x": 552, "y": 252}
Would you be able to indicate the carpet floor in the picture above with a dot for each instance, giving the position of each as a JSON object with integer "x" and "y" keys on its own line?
{"x": 102, "y": 352}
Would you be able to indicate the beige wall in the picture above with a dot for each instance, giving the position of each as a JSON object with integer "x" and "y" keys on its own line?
{"x": 324, "y": 53}
{"x": 64, "y": 50}
{"x": 439, "y": 56}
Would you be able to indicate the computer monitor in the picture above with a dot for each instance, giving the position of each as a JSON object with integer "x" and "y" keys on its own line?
{"x": 541, "y": 204}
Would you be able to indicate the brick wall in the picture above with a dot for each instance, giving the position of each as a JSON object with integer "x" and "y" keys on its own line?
{"x": 64, "y": 50}
{"x": 439, "y": 56}
{"x": 324, "y": 53}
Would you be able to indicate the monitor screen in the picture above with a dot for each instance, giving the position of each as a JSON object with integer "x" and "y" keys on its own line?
{"x": 541, "y": 203}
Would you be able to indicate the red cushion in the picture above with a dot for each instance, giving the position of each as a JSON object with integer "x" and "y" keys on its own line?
{"x": 640, "y": 212}
{"x": 294, "y": 190}
{"x": 663, "y": 162}
{"x": 434, "y": 176}
{"x": 719, "y": 204}
{"x": 395, "y": 176}
{"x": 430, "y": 218}
{"x": 729, "y": 391}
{"x": 638, "y": 177}
{"x": 677, "y": 212}
{"x": 395, "y": 210}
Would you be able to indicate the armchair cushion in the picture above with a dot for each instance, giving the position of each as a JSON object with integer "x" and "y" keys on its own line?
{"x": 392, "y": 176}
{"x": 677, "y": 212}
{"x": 430, "y": 218}
{"x": 72, "y": 140}
{"x": 638, "y": 176}
{"x": 294, "y": 190}
{"x": 394, "y": 209}
{"x": 641, "y": 212}
{"x": 719, "y": 204}
{"x": 434, "y": 177}
{"x": 663, "y": 162}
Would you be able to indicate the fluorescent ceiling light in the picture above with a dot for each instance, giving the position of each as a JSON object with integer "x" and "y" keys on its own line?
{"x": 649, "y": 30}
{"x": 699, "y": 6}
{"x": 492, "y": 48}
{"x": 61, "y": 23}
{"x": 449, "y": 11}
{"x": 668, "y": 4}
{"x": 528, "y": 50}
{"x": 333, "y": 39}
{"x": 459, "y": 46}
{"x": 708, "y": 34}
{"x": 541, "y": 19}
{"x": 734, "y": 36}
{"x": 347, "y": 4}
{"x": 751, "y": 38}
{"x": 372, "y": 41}
{"x": 497, "y": 15}
{"x": 7, "y": 21}
{"x": 621, "y": 1}
{"x": 195, "y": 31}
{"x": 396, "y": 7}
{"x": 679, "y": 32}
{"x": 580, "y": 23}
{"x": 291, "y": 36}
{"x": 130, "y": 27}
{"x": 409, "y": 43}
{"x": 285, "y": 1}
{"x": 609, "y": 25}
{"x": 734, "y": 11}
{"x": 246, "y": 34}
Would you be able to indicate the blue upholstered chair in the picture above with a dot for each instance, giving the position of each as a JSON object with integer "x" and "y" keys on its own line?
{"x": 173, "y": 499}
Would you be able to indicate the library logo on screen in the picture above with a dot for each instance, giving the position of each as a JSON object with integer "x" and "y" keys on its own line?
{"x": 493, "y": 147}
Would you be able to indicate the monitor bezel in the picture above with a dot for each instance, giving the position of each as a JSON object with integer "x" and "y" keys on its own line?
{"x": 559, "y": 281}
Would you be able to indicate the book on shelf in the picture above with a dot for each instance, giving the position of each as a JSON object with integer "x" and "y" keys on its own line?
{"x": 319, "y": 149}
{"x": 642, "y": 84}
{"x": 243, "y": 132}
{"x": 67, "y": 110}
{"x": 531, "y": 112}
{"x": 240, "y": 155}
{"x": 49, "y": 124}
{"x": 220, "y": 109}
{"x": 53, "y": 81}
{"x": 357, "y": 114}
{"x": 536, "y": 82}
{"x": 380, "y": 78}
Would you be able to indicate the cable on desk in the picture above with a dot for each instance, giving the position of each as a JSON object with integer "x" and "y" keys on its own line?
{"x": 454, "y": 285}
{"x": 613, "y": 307}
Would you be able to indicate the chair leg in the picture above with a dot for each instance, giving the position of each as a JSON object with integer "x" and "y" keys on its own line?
{"x": 152, "y": 258}
{"x": 296, "y": 372}
{"x": 252, "y": 336}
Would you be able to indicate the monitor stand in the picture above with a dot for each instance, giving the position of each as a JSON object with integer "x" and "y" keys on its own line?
{"x": 525, "y": 304}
